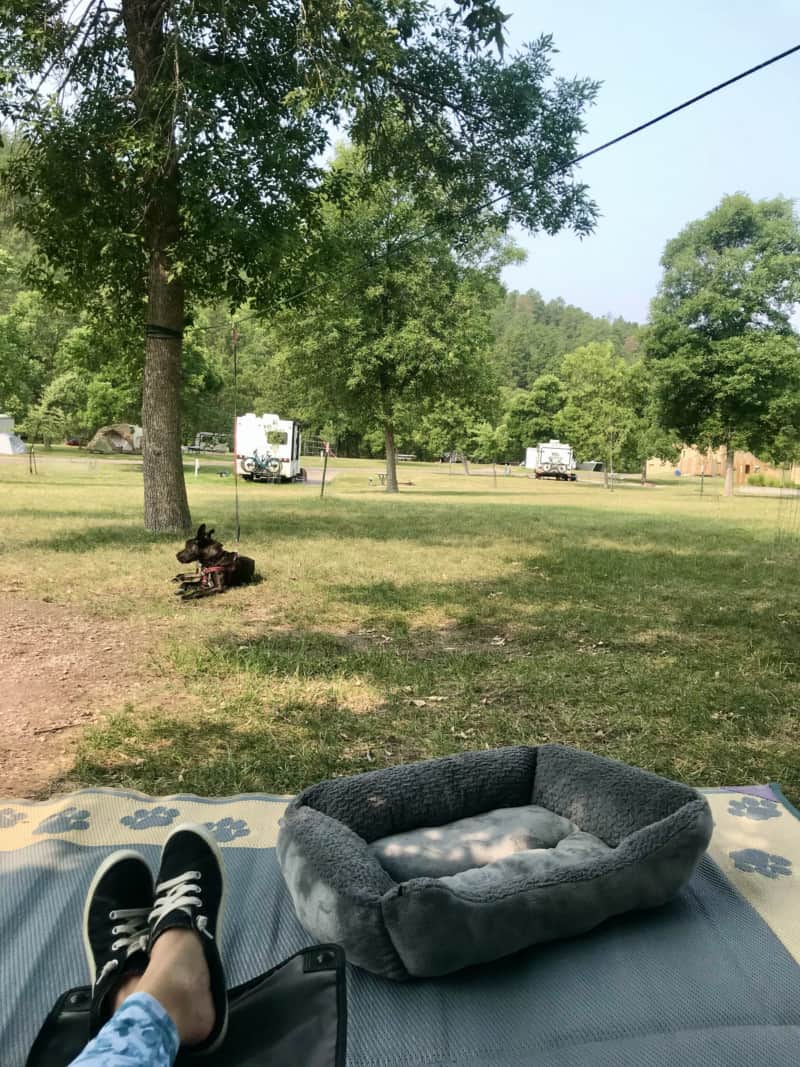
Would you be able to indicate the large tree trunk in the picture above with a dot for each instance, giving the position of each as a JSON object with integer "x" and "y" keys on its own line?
{"x": 391, "y": 458}
{"x": 729, "y": 471}
{"x": 166, "y": 506}
{"x": 644, "y": 472}
{"x": 465, "y": 462}
{"x": 156, "y": 85}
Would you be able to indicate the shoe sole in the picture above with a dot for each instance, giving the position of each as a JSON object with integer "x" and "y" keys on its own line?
{"x": 105, "y": 866}
{"x": 213, "y": 844}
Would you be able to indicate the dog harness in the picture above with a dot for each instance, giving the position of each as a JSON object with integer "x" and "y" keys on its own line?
{"x": 212, "y": 568}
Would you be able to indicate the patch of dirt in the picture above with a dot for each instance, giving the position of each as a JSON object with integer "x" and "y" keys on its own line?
{"x": 58, "y": 670}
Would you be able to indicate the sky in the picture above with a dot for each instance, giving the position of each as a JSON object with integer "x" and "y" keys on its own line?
{"x": 650, "y": 57}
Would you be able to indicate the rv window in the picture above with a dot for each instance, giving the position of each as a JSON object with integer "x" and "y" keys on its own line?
{"x": 277, "y": 437}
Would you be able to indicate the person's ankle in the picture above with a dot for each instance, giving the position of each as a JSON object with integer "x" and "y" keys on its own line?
{"x": 177, "y": 977}
{"x": 126, "y": 988}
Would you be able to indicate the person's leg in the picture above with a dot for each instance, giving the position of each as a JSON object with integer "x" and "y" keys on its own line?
{"x": 139, "y": 1034}
{"x": 185, "y": 926}
{"x": 177, "y": 977}
{"x": 161, "y": 975}
{"x": 155, "y": 1013}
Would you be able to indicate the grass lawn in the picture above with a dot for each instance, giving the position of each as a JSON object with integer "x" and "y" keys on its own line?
{"x": 656, "y": 626}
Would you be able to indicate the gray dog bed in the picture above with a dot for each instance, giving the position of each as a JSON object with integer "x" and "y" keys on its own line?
{"x": 424, "y": 869}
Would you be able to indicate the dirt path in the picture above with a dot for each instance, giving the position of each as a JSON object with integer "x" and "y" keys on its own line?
{"x": 57, "y": 669}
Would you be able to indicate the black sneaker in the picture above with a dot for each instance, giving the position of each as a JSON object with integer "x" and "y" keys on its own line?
{"x": 190, "y": 895}
{"x": 115, "y": 926}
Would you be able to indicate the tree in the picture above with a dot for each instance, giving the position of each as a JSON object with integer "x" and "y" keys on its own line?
{"x": 490, "y": 443}
{"x": 721, "y": 343}
{"x": 646, "y": 438}
{"x": 168, "y": 151}
{"x": 384, "y": 338}
{"x": 532, "y": 415}
{"x": 44, "y": 422}
{"x": 447, "y": 424}
{"x": 30, "y": 339}
{"x": 597, "y": 417}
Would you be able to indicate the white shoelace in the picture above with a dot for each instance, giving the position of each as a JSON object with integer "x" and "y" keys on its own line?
{"x": 181, "y": 893}
{"x": 130, "y": 934}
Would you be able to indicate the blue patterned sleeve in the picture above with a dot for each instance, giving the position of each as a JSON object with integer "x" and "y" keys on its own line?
{"x": 140, "y": 1034}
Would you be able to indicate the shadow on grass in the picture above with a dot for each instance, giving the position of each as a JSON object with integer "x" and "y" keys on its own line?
{"x": 204, "y": 755}
{"x": 317, "y": 655}
{"x": 612, "y": 593}
{"x": 57, "y": 514}
{"x": 436, "y": 524}
{"x": 123, "y": 535}
{"x": 297, "y": 714}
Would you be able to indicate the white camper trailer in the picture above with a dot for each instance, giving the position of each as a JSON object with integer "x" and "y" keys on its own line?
{"x": 267, "y": 449}
{"x": 10, "y": 444}
{"x": 551, "y": 460}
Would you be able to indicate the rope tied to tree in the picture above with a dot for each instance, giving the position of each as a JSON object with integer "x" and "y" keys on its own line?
{"x": 152, "y": 329}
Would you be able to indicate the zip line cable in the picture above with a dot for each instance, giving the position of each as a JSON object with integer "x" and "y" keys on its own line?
{"x": 685, "y": 104}
{"x": 502, "y": 196}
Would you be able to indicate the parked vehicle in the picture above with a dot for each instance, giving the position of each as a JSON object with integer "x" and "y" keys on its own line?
{"x": 267, "y": 448}
{"x": 209, "y": 442}
{"x": 551, "y": 460}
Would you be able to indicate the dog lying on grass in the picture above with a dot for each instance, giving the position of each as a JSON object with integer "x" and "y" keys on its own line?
{"x": 217, "y": 571}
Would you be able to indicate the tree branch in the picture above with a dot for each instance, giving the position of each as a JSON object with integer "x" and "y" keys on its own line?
{"x": 92, "y": 4}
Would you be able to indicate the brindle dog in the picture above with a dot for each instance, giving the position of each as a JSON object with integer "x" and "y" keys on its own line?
{"x": 217, "y": 571}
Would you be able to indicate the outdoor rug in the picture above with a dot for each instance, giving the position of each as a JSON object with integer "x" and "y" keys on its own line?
{"x": 711, "y": 978}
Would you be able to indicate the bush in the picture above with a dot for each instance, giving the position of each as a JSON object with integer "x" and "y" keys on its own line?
{"x": 772, "y": 483}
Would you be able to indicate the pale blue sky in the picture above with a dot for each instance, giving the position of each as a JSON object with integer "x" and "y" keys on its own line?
{"x": 650, "y": 57}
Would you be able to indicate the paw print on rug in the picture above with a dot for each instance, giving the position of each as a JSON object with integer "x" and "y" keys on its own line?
{"x": 64, "y": 821}
{"x": 9, "y": 818}
{"x": 754, "y": 808}
{"x": 228, "y": 829}
{"x": 146, "y": 818}
{"x": 755, "y": 861}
